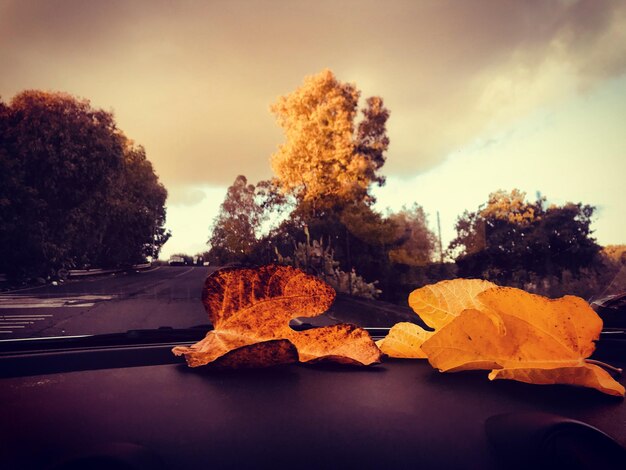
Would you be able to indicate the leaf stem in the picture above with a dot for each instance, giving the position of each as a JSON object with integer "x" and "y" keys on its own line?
{"x": 604, "y": 365}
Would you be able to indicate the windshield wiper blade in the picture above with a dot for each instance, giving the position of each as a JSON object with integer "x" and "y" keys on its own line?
{"x": 161, "y": 335}
{"x": 129, "y": 338}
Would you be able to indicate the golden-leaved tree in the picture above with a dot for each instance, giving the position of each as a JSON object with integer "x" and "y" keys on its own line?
{"x": 510, "y": 206}
{"x": 327, "y": 160}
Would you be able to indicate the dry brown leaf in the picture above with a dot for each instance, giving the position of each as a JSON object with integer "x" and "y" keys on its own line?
{"x": 437, "y": 305}
{"x": 544, "y": 340}
{"x": 264, "y": 354}
{"x": 250, "y": 306}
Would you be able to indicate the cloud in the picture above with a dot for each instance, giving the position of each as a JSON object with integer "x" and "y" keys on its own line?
{"x": 184, "y": 196}
{"x": 574, "y": 154}
{"x": 190, "y": 224}
{"x": 193, "y": 81}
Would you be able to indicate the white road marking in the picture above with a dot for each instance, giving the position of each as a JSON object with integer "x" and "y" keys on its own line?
{"x": 45, "y": 337}
{"x": 61, "y": 296}
{"x": 12, "y": 321}
{"x": 8, "y": 323}
{"x": 43, "y": 305}
{"x": 149, "y": 270}
{"x": 29, "y": 304}
{"x": 26, "y": 317}
{"x": 22, "y": 302}
{"x": 185, "y": 272}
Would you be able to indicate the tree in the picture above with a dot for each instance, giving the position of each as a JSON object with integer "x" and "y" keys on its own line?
{"x": 415, "y": 242}
{"x": 137, "y": 212}
{"x": 368, "y": 225}
{"x": 372, "y": 140}
{"x": 470, "y": 235}
{"x": 615, "y": 253}
{"x": 235, "y": 229}
{"x": 510, "y": 240}
{"x": 511, "y": 207}
{"x": 63, "y": 164}
{"x": 503, "y": 209}
{"x": 560, "y": 240}
{"x": 323, "y": 162}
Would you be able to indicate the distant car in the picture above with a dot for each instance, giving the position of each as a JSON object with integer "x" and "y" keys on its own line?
{"x": 176, "y": 261}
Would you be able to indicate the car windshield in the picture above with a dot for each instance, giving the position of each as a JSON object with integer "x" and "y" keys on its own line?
{"x": 380, "y": 147}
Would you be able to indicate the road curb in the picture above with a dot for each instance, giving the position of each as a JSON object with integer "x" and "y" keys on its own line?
{"x": 84, "y": 273}
{"x": 95, "y": 272}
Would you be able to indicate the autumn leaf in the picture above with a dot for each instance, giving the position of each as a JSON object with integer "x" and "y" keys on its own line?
{"x": 253, "y": 307}
{"x": 263, "y": 354}
{"x": 404, "y": 340}
{"x": 586, "y": 375}
{"x": 437, "y": 305}
{"x": 544, "y": 341}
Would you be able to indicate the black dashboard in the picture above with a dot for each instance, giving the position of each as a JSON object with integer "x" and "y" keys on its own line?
{"x": 137, "y": 406}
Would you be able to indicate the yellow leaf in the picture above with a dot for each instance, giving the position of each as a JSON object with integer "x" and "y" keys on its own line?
{"x": 251, "y": 306}
{"x": 404, "y": 341}
{"x": 539, "y": 334}
{"x": 569, "y": 322}
{"x": 587, "y": 375}
{"x": 471, "y": 341}
{"x": 436, "y": 305}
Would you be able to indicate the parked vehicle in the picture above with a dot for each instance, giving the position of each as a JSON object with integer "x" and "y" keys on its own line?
{"x": 176, "y": 261}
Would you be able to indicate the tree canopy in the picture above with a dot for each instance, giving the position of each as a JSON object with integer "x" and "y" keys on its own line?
{"x": 74, "y": 189}
{"x": 137, "y": 205}
{"x": 235, "y": 229}
{"x": 415, "y": 242}
{"x": 509, "y": 239}
{"x": 326, "y": 158}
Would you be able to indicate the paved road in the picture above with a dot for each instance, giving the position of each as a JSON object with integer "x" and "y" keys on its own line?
{"x": 162, "y": 296}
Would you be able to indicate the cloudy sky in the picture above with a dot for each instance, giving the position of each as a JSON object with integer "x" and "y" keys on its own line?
{"x": 484, "y": 95}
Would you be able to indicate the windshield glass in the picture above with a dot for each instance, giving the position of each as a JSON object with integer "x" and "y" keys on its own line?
{"x": 382, "y": 148}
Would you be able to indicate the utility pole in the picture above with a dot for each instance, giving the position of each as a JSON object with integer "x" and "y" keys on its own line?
{"x": 440, "y": 244}
{"x": 349, "y": 258}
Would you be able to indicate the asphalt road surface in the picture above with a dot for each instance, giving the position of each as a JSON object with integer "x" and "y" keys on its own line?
{"x": 161, "y": 296}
